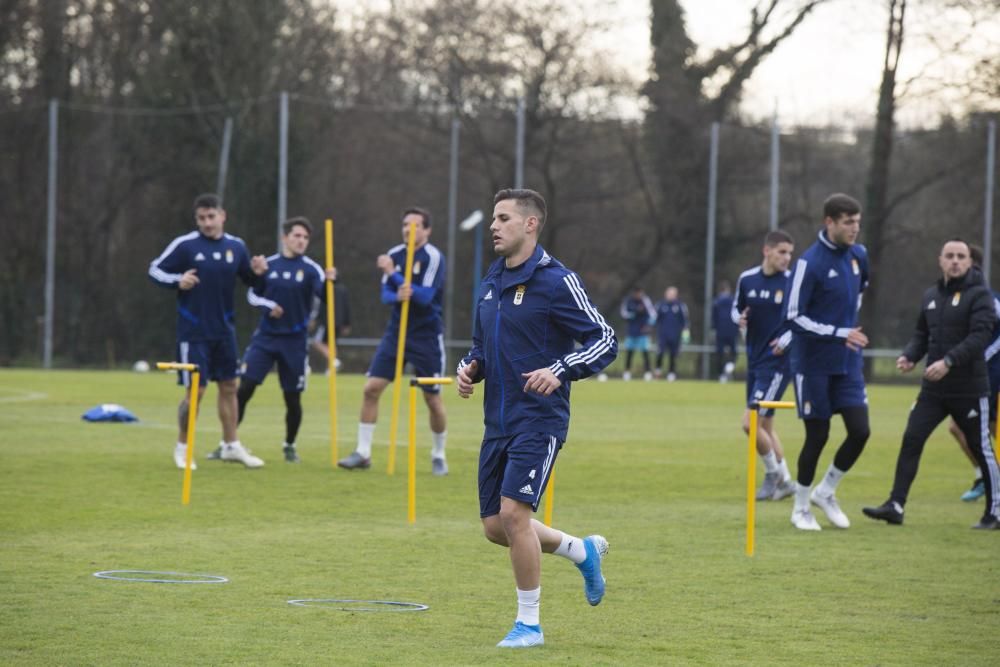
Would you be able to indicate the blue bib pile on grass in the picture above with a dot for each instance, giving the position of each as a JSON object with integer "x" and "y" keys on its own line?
{"x": 109, "y": 412}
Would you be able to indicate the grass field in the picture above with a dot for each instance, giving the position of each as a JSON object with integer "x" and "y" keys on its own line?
{"x": 657, "y": 468}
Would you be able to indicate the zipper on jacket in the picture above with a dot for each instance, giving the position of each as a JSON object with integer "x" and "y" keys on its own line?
{"x": 496, "y": 352}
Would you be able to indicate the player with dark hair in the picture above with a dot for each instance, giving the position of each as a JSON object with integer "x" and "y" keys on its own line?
{"x": 531, "y": 313}
{"x": 292, "y": 283}
{"x": 202, "y": 267}
{"x": 758, "y": 310}
{"x": 954, "y": 327}
{"x": 672, "y": 323}
{"x": 424, "y": 338}
{"x": 826, "y": 287}
{"x": 639, "y": 315}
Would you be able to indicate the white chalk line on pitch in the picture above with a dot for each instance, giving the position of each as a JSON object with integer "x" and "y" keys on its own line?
{"x": 21, "y": 396}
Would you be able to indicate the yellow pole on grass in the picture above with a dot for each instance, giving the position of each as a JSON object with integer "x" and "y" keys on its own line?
{"x": 332, "y": 347}
{"x": 550, "y": 497}
{"x": 404, "y": 316}
{"x": 996, "y": 434}
{"x": 752, "y": 463}
{"x": 411, "y": 475}
{"x": 192, "y": 420}
{"x": 411, "y": 506}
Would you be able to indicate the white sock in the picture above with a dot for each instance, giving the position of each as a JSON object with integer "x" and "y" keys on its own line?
{"x": 572, "y": 548}
{"x": 288, "y": 444}
{"x": 181, "y": 445}
{"x": 437, "y": 451}
{"x": 831, "y": 479}
{"x": 786, "y": 476}
{"x": 979, "y": 473}
{"x": 365, "y": 434}
{"x": 801, "y": 497}
{"x": 230, "y": 444}
{"x": 528, "y": 604}
{"x": 770, "y": 462}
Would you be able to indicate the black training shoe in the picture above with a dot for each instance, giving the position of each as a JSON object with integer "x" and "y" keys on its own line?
{"x": 291, "y": 456}
{"x": 215, "y": 454}
{"x": 890, "y": 511}
{"x": 988, "y": 522}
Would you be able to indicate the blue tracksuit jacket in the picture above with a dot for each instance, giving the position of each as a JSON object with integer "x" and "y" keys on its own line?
{"x": 827, "y": 284}
{"x": 426, "y": 304}
{"x": 527, "y": 318}
{"x": 294, "y": 283}
{"x": 765, "y": 297}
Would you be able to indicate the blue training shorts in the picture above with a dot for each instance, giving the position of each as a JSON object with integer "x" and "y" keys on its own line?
{"x": 424, "y": 353}
{"x": 994, "y": 388}
{"x": 290, "y": 353}
{"x": 766, "y": 385}
{"x": 820, "y": 396}
{"x": 216, "y": 359}
{"x": 516, "y": 467}
{"x": 637, "y": 343}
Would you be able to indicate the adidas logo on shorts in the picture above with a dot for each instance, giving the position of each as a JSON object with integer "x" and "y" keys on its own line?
{"x": 526, "y": 489}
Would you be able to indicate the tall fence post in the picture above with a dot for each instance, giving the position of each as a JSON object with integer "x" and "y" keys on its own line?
{"x": 991, "y": 164}
{"x": 775, "y": 171}
{"x": 713, "y": 173}
{"x": 519, "y": 146}
{"x": 452, "y": 222}
{"x": 227, "y": 138}
{"x": 50, "y": 238}
{"x": 282, "y": 163}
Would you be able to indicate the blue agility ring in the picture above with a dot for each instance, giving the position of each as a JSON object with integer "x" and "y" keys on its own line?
{"x": 374, "y": 605}
{"x": 193, "y": 578}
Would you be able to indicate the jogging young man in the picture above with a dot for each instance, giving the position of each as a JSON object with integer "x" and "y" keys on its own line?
{"x": 202, "y": 267}
{"x": 531, "y": 312}
{"x": 759, "y": 309}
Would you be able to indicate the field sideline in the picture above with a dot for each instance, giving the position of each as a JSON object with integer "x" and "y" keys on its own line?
{"x": 659, "y": 469}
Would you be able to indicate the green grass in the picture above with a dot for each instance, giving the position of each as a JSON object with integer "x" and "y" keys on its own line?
{"x": 657, "y": 468}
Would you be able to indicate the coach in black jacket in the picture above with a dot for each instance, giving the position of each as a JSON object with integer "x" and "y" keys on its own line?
{"x": 954, "y": 327}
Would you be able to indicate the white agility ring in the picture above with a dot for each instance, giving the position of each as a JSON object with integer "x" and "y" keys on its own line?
{"x": 360, "y": 605}
{"x": 192, "y": 578}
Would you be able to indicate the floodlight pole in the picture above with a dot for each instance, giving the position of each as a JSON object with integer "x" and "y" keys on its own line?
{"x": 282, "y": 162}
{"x": 775, "y": 167}
{"x": 227, "y": 138}
{"x": 991, "y": 164}
{"x": 50, "y": 225}
{"x": 713, "y": 173}
{"x": 452, "y": 222}
{"x": 519, "y": 146}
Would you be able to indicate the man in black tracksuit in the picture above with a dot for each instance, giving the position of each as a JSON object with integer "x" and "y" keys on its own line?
{"x": 953, "y": 329}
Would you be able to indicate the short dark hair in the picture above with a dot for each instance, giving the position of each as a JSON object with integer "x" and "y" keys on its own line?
{"x": 976, "y": 253}
{"x": 839, "y": 204}
{"x": 288, "y": 225}
{"x": 424, "y": 214}
{"x": 207, "y": 200}
{"x": 777, "y": 236}
{"x": 525, "y": 199}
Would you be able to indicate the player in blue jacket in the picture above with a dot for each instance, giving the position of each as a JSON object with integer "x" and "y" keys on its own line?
{"x": 726, "y": 332}
{"x": 293, "y": 282}
{"x": 672, "y": 328}
{"x": 531, "y": 313}
{"x": 759, "y": 309}
{"x": 639, "y": 315}
{"x": 202, "y": 267}
{"x": 424, "y": 338}
{"x": 827, "y": 283}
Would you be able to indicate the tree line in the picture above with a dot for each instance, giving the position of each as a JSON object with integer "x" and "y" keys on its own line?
{"x": 372, "y": 101}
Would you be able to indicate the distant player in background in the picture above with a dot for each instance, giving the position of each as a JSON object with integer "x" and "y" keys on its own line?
{"x": 424, "y": 338}
{"x": 202, "y": 267}
{"x": 759, "y": 310}
{"x": 292, "y": 283}
{"x": 992, "y": 355}
{"x": 672, "y": 329}
{"x": 726, "y": 332}
{"x": 827, "y": 283}
{"x": 532, "y": 312}
{"x": 639, "y": 315}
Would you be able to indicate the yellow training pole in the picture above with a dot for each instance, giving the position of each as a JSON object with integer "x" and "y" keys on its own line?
{"x": 751, "y": 479}
{"x": 332, "y": 347}
{"x": 550, "y": 497}
{"x": 996, "y": 434}
{"x": 192, "y": 420}
{"x": 404, "y": 316}
{"x": 752, "y": 463}
{"x": 411, "y": 507}
{"x": 411, "y": 485}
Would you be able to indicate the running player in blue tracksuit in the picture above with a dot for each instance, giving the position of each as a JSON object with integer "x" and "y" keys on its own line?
{"x": 726, "y": 332}
{"x": 202, "y": 267}
{"x": 759, "y": 309}
{"x": 827, "y": 283}
{"x": 532, "y": 312}
{"x": 672, "y": 323}
{"x": 293, "y": 282}
{"x": 424, "y": 339}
